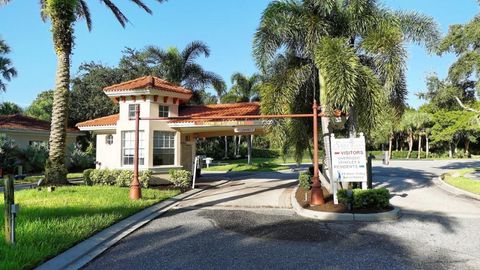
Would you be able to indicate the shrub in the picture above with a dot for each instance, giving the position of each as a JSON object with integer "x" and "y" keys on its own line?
{"x": 363, "y": 199}
{"x": 305, "y": 180}
{"x": 34, "y": 157}
{"x": 86, "y": 177}
{"x": 80, "y": 160}
{"x": 8, "y": 154}
{"x": 180, "y": 178}
{"x": 343, "y": 197}
{"x": 120, "y": 178}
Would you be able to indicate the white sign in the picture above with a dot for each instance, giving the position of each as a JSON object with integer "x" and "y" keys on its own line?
{"x": 349, "y": 161}
{"x": 244, "y": 130}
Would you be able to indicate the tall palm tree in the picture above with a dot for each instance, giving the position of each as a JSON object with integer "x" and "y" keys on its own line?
{"x": 63, "y": 14}
{"x": 348, "y": 53}
{"x": 181, "y": 68}
{"x": 7, "y": 71}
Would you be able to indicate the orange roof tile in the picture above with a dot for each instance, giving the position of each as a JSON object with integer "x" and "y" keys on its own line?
{"x": 216, "y": 110}
{"x": 148, "y": 82}
{"x": 102, "y": 121}
{"x": 18, "y": 121}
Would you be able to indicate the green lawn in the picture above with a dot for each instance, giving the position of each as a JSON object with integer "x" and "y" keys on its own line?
{"x": 457, "y": 179}
{"x": 51, "y": 222}
{"x": 258, "y": 165}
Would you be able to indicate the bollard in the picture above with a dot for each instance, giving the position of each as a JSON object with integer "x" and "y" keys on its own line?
{"x": 8, "y": 195}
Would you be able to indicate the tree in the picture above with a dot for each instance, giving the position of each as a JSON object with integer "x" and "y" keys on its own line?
{"x": 63, "y": 14}
{"x": 7, "y": 108}
{"x": 7, "y": 71}
{"x": 181, "y": 68}
{"x": 87, "y": 98}
{"x": 350, "y": 54}
{"x": 41, "y": 107}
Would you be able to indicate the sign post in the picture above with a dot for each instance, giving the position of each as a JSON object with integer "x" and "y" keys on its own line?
{"x": 349, "y": 162}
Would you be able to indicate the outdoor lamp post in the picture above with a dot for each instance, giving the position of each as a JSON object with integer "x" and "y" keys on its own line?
{"x": 316, "y": 196}
{"x": 135, "y": 190}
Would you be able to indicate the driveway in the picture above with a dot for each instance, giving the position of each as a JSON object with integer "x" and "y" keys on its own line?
{"x": 437, "y": 230}
{"x": 246, "y": 189}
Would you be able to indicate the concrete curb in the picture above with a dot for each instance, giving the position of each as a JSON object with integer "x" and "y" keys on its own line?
{"x": 328, "y": 216}
{"x": 454, "y": 190}
{"x": 84, "y": 252}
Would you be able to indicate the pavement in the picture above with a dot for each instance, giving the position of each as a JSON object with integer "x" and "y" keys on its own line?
{"x": 242, "y": 229}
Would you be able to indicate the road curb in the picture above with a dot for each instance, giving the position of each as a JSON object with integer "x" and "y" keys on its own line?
{"x": 328, "y": 216}
{"x": 87, "y": 250}
{"x": 438, "y": 181}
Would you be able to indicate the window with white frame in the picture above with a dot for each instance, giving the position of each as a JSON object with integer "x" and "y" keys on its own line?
{"x": 128, "y": 148}
{"x": 163, "y": 148}
{"x": 163, "y": 111}
{"x": 131, "y": 111}
{"x": 109, "y": 139}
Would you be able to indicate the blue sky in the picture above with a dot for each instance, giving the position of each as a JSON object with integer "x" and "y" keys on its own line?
{"x": 227, "y": 26}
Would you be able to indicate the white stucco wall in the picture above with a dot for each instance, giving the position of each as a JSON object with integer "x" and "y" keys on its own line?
{"x": 110, "y": 156}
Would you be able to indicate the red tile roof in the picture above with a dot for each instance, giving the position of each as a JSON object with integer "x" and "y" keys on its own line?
{"x": 216, "y": 110}
{"x": 17, "y": 121}
{"x": 232, "y": 109}
{"x": 110, "y": 120}
{"x": 148, "y": 82}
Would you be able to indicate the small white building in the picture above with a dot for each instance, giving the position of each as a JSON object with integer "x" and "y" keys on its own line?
{"x": 164, "y": 144}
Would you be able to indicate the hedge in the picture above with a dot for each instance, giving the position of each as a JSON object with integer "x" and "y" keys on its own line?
{"x": 180, "y": 178}
{"x": 305, "y": 180}
{"x": 120, "y": 178}
{"x": 366, "y": 199}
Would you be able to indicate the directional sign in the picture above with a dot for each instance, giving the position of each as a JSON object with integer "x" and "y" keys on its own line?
{"x": 349, "y": 161}
{"x": 244, "y": 130}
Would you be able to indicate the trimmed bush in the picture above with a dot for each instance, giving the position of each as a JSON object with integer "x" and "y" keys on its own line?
{"x": 86, "y": 177}
{"x": 119, "y": 178}
{"x": 305, "y": 180}
{"x": 366, "y": 199}
{"x": 80, "y": 160}
{"x": 180, "y": 178}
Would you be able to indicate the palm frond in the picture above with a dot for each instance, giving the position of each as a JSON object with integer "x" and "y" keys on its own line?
{"x": 194, "y": 50}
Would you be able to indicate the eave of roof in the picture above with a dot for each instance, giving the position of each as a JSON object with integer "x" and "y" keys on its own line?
{"x": 22, "y": 122}
{"x": 147, "y": 82}
{"x": 110, "y": 120}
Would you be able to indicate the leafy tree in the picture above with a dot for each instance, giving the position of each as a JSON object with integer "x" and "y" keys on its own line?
{"x": 7, "y": 108}
{"x": 41, "y": 107}
{"x": 63, "y": 14}
{"x": 349, "y": 53}
{"x": 244, "y": 88}
{"x": 7, "y": 71}
{"x": 442, "y": 94}
{"x": 87, "y": 98}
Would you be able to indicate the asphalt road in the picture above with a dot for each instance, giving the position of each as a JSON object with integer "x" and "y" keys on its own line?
{"x": 430, "y": 235}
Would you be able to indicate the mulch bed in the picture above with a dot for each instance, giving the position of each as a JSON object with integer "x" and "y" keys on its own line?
{"x": 329, "y": 206}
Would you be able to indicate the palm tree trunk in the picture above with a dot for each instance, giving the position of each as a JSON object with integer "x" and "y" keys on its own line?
{"x": 249, "y": 154}
{"x": 410, "y": 144}
{"x": 419, "y": 146}
{"x": 467, "y": 147}
{"x": 390, "y": 144}
{"x": 239, "y": 142}
{"x": 226, "y": 148}
{"x": 62, "y": 15}
{"x": 450, "y": 154}
{"x": 427, "y": 145}
{"x": 324, "y": 121}
{"x": 352, "y": 127}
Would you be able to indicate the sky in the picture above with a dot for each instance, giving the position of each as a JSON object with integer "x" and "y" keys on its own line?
{"x": 227, "y": 26}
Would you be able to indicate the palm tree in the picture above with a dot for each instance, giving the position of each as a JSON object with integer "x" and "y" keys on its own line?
{"x": 6, "y": 69}
{"x": 181, "y": 68}
{"x": 244, "y": 88}
{"x": 349, "y": 53}
{"x": 63, "y": 14}
{"x": 8, "y": 108}
{"x": 220, "y": 89}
